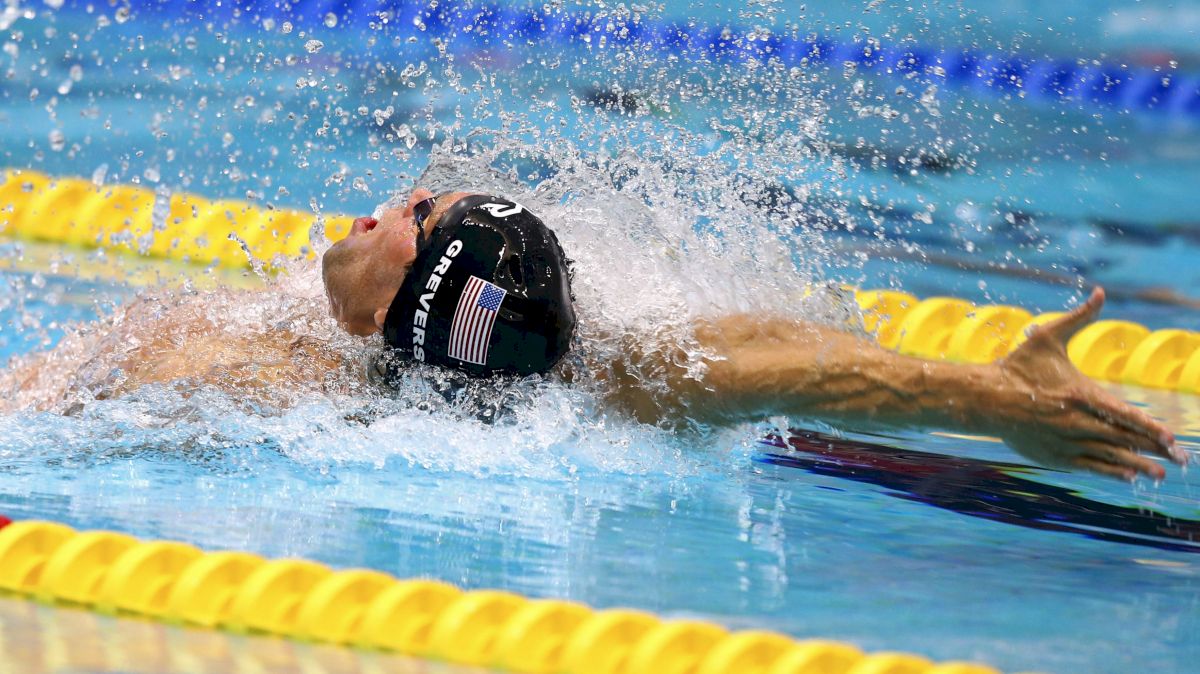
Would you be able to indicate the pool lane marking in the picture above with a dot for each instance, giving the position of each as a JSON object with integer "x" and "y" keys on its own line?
{"x": 298, "y": 599}
{"x": 200, "y": 231}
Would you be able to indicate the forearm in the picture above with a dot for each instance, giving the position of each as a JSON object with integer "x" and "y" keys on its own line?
{"x": 1034, "y": 399}
{"x": 762, "y": 367}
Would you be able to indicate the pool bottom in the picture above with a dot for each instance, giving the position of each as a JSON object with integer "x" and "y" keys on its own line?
{"x": 40, "y": 639}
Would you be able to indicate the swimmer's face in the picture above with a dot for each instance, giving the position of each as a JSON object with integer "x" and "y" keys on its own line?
{"x": 363, "y": 271}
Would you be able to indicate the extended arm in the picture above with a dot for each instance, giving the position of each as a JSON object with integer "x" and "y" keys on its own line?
{"x": 1035, "y": 399}
{"x": 776, "y": 366}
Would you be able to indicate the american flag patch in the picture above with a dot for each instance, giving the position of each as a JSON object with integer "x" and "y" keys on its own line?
{"x": 473, "y": 321}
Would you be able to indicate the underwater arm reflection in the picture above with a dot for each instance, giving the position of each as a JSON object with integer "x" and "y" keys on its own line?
{"x": 1035, "y": 399}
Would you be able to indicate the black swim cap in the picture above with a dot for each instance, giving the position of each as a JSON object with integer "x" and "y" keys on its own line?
{"x": 489, "y": 292}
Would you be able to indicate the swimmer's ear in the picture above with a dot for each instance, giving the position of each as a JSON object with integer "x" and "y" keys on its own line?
{"x": 380, "y": 317}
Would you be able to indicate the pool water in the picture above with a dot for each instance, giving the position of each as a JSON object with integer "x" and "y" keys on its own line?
{"x": 937, "y": 544}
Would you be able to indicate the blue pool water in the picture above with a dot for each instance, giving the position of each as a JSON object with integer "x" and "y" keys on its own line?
{"x": 909, "y": 541}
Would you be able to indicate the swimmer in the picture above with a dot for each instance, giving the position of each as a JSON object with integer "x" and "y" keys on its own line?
{"x": 478, "y": 284}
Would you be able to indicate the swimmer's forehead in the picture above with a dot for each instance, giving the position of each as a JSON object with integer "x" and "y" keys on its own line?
{"x": 445, "y": 201}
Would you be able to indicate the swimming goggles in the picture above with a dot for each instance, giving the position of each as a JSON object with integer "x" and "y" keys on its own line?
{"x": 423, "y": 209}
{"x": 421, "y": 212}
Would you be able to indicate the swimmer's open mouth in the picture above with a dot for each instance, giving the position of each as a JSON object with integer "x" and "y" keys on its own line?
{"x": 363, "y": 225}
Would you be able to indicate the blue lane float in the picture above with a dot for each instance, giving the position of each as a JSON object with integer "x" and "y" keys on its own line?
{"x": 1088, "y": 84}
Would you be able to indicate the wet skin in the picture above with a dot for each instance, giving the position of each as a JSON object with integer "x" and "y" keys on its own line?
{"x": 363, "y": 271}
{"x": 1034, "y": 399}
{"x": 754, "y": 366}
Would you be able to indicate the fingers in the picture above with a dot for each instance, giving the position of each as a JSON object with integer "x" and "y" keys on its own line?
{"x": 1097, "y": 466}
{"x": 1101, "y": 437}
{"x": 1063, "y": 328}
{"x": 1115, "y": 461}
{"x": 1108, "y": 432}
{"x": 1134, "y": 428}
{"x": 1137, "y": 442}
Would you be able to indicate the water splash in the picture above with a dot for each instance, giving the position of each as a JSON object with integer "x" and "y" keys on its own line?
{"x": 681, "y": 191}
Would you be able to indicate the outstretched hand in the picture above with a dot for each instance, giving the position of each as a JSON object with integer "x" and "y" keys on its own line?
{"x": 1056, "y": 416}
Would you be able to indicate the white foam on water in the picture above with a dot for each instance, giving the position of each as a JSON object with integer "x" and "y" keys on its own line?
{"x": 664, "y": 225}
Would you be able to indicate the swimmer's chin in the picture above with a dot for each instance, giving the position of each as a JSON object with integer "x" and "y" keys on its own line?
{"x": 360, "y": 329}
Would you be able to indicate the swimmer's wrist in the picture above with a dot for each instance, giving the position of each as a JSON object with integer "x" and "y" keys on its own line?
{"x": 967, "y": 397}
{"x": 995, "y": 401}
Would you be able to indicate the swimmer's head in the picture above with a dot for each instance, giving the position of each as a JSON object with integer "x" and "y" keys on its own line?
{"x": 363, "y": 271}
{"x": 481, "y": 286}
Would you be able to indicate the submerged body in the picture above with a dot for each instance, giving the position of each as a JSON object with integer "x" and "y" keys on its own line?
{"x": 751, "y": 366}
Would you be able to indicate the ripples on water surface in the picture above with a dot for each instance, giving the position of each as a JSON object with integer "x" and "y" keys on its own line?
{"x": 690, "y": 189}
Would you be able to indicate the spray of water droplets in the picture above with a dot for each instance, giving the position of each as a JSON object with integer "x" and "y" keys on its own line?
{"x": 680, "y": 191}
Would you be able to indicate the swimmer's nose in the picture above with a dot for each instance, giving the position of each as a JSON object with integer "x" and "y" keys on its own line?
{"x": 362, "y": 225}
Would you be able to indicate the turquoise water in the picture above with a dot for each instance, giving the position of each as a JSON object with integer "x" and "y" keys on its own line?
{"x": 918, "y": 542}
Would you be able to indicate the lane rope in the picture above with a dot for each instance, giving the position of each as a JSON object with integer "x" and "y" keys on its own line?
{"x": 954, "y": 329}
{"x": 243, "y": 593}
{"x": 189, "y": 228}
{"x": 1089, "y": 83}
{"x": 141, "y": 221}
